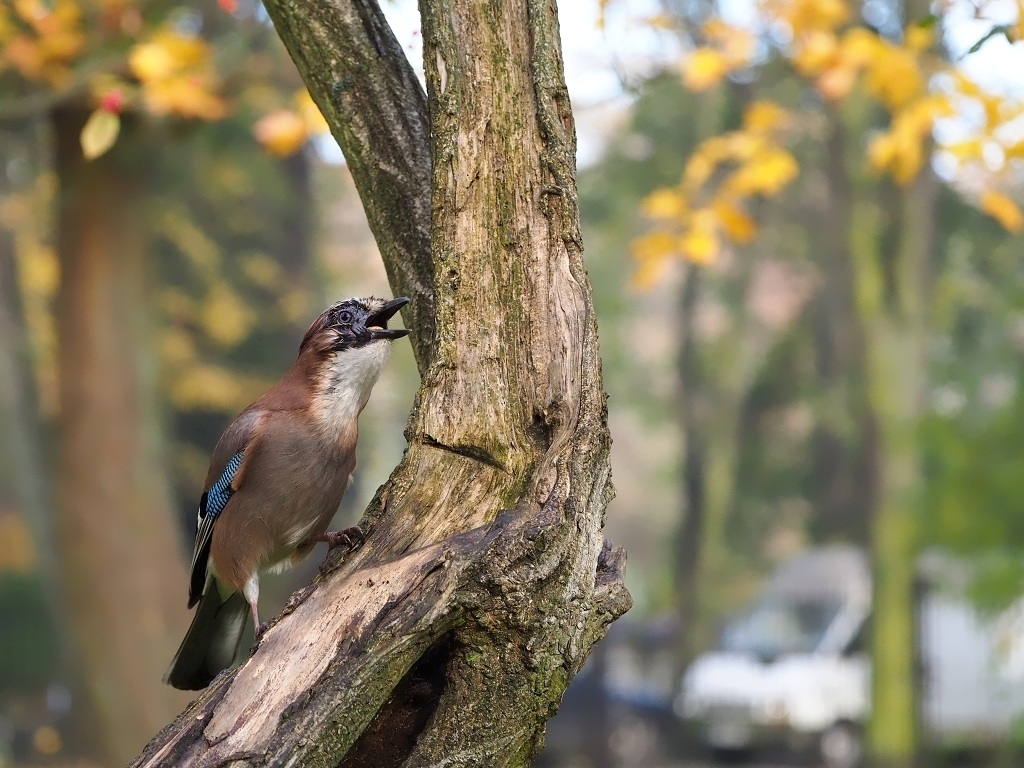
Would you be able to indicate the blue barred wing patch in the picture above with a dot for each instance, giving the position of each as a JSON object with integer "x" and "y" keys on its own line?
{"x": 211, "y": 505}
{"x": 219, "y": 493}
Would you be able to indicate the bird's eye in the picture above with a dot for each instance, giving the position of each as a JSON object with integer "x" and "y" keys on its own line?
{"x": 345, "y": 317}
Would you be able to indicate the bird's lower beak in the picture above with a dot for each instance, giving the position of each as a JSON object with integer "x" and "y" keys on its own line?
{"x": 377, "y": 323}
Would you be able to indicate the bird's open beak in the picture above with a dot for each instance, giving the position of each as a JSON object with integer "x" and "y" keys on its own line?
{"x": 377, "y": 323}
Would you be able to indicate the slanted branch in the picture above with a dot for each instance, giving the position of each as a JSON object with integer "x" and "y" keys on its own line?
{"x": 450, "y": 635}
{"x": 354, "y": 669}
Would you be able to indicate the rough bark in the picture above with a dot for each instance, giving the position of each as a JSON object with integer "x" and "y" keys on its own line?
{"x": 121, "y": 573}
{"x": 448, "y": 638}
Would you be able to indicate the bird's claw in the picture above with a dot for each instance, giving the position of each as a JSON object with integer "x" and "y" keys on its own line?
{"x": 261, "y": 630}
{"x": 350, "y": 537}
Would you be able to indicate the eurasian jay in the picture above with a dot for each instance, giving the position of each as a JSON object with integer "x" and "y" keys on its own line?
{"x": 276, "y": 479}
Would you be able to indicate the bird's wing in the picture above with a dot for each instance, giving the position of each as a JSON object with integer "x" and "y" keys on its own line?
{"x": 227, "y": 469}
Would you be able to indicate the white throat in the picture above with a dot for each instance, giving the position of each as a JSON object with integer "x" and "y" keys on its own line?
{"x": 346, "y": 384}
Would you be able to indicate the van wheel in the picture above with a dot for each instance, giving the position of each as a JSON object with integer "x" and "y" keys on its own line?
{"x": 841, "y": 746}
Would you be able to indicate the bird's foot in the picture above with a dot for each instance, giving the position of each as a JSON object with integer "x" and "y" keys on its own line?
{"x": 261, "y": 630}
{"x": 350, "y": 537}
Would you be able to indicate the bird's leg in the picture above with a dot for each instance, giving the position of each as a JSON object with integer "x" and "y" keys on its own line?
{"x": 259, "y": 628}
{"x": 252, "y": 596}
{"x": 350, "y": 537}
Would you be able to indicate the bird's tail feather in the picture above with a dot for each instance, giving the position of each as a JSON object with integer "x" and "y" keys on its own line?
{"x": 212, "y": 641}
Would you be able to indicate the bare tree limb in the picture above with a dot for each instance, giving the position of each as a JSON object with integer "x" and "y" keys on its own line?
{"x": 358, "y": 76}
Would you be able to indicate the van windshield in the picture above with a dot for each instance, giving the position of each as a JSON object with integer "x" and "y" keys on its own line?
{"x": 778, "y": 627}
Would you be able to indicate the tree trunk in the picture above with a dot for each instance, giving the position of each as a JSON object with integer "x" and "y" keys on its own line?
{"x": 23, "y": 472}
{"x": 842, "y": 492}
{"x": 717, "y": 386}
{"x": 691, "y": 529}
{"x": 891, "y": 292}
{"x": 449, "y": 637}
{"x": 121, "y": 569}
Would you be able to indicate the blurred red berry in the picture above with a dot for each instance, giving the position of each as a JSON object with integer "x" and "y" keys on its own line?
{"x": 229, "y": 6}
{"x": 112, "y": 101}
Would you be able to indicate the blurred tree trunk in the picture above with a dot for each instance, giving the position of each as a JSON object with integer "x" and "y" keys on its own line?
{"x": 717, "y": 376}
{"x": 23, "y": 472}
{"x": 892, "y": 295}
{"x": 842, "y": 448}
{"x": 121, "y": 567}
{"x": 449, "y": 637}
{"x": 691, "y": 530}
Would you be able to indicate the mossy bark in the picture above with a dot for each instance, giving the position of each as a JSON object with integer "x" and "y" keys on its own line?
{"x": 449, "y": 637}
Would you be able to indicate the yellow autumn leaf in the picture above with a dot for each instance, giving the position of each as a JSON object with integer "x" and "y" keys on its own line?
{"x": 62, "y": 45}
{"x": 664, "y": 204}
{"x": 282, "y": 133}
{"x": 99, "y": 133}
{"x": 1014, "y": 151}
{"x": 919, "y": 38}
{"x": 186, "y": 96}
{"x": 176, "y": 75}
{"x": 168, "y": 53}
{"x": 699, "y": 246}
{"x": 764, "y": 174}
{"x": 653, "y": 246}
{"x": 186, "y": 51}
{"x": 151, "y": 61}
{"x": 734, "y": 221}
{"x": 894, "y": 76}
{"x": 1002, "y": 209}
{"x": 967, "y": 150}
{"x": 699, "y": 242}
{"x": 7, "y": 28}
{"x": 653, "y": 251}
{"x": 310, "y": 113}
{"x": 836, "y": 82}
{"x": 736, "y": 45}
{"x": 859, "y": 47}
{"x": 648, "y": 273}
{"x": 804, "y": 16}
{"x": 897, "y": 152}
{"x": 699, "y": 167}
{"x": 30, "y": 10}
{"x": 704, "y": 68}
{"x": 817, "y": 52}
{"x": 262, "y": 270}
{"x": 739, "y": 146}
{"x": 225, "y": 317}
{"x": 764, "y": 117}
{"x": 23, "y": 53}
{"x": 207, "y": 387}
{"x": 40, "y": 272}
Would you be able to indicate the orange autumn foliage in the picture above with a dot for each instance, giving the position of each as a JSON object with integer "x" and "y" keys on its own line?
{"x": 837, "y": 55}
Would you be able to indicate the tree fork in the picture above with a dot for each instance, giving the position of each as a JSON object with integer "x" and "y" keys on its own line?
{"x": 484, "y": 581}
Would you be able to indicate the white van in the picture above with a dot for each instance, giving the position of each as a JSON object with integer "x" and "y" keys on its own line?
{"x": 793, "y": 670}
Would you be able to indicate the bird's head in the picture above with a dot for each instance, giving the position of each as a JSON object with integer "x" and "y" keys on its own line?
{"x": 354, "y": 324}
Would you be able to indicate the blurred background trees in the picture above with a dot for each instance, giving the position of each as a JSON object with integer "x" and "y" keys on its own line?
{"x": 819, "y": 341}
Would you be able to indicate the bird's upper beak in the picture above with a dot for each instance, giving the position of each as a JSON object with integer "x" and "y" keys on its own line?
{"x": 377, "y": 323}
